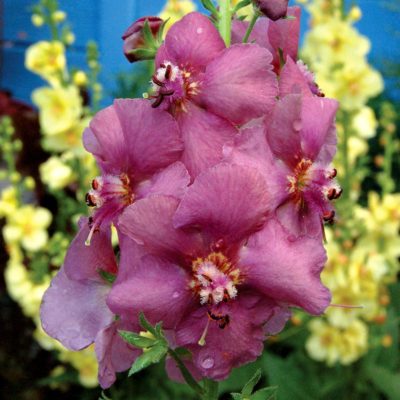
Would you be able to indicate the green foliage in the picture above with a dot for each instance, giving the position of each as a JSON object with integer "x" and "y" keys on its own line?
{"x": 268, "y": 393}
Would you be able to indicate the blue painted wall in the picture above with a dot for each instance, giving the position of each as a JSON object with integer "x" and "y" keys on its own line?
{"x": 105, "y": 21}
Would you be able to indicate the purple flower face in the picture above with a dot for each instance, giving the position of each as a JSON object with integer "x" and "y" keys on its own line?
{"x": 204, "y": 257}
{"x": 131, "y": 142}
{"x": 294, "y": 151}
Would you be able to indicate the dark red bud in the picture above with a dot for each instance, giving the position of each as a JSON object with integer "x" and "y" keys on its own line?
{"x": 273, "y": 9}
{"x": 134, "y": 37}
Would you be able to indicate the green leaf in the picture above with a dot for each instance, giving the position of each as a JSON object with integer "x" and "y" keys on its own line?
{"x": 152, "y": 356}
{"x": 103, "y": 396}
{"x": 249, "y": 386}
{"x": 236, "y": 396}
{"x": 149, "y": 39}
{"x": 144, "y": 54}
{"x": 107, "y": 276}
{"x": 146, "y": 324}
{"x": 268, "y": 393}
{"x": 137, "y": 340}
{"x": 209, "y": 5}
{"x": 241, "y": 4}
{"x": 386, "y": 381}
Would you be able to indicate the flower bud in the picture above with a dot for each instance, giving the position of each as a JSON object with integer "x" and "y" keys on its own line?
{"x": 273, "y": 9}
{"x": 140, "y": 39}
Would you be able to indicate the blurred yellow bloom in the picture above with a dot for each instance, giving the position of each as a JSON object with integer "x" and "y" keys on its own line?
{"x": 37, "y": 20}
{"x": 175, "y": 10}
{"x": 365, "y": 123}
{"x": 68, "y": 140}
{"x": 46, "y": 59}
{"x": 56, "y": 174}
{"x": 80, "y": 78}
{"x": 28, "y": 226}
{"x": 8, "y": 201}
{"x": 332, "y": 345}
{"x": 59, "y": 16}
{"x": 60, "y": 108}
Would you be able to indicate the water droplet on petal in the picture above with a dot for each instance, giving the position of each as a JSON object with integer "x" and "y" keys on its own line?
{"x": 297, "y": 125}
{"x": 175, "y": 295}
{"x": 207, "y": 363}
{"x": 199, "y": 30}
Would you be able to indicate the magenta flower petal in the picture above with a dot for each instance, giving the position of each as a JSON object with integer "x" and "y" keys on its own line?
{"x": 293, "y": 81}
{"x": 258, "y": 35}
{"x": 151, "y": 136}
{"x": 113, "y": 353}
{"x": 230, "y": 201}
{"x": 241, "y": 342}
{"x": 105, "y": 140}
{"x": 155, "y": 287}
{"x": 193, "y": 40}
{"x": 73, "y": 312}
{"x": 85, "y": 262}
{"x": 171, "y": 181}
{"x": 284, "y": 34}
{"x": 239, "y": 84}
{"x": 318, "y": 128}
{"x": 149, "y": 223}
{"x": 288, "y": 271}
{"x": 204, "y": 135}
{"x": 283, "y": 131}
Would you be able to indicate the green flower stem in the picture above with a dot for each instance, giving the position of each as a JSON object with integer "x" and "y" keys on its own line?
{"x": 387, "y": 163}
{"x": 225, "y": 21}
{"x": 253, "y": 21}
{"x": 345, "y": 180}
{"x": 211, "y": 390}
{"x": 187, "y": 375}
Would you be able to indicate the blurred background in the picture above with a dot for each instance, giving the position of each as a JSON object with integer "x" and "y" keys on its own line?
{"x": 61, "y": 61}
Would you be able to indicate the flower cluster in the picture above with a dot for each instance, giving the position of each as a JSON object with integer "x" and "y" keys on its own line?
{"x": 219, "y": 185}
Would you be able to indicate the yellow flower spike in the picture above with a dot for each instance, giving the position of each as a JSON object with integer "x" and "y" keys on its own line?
{"x": 364, "y": 123}
{"x": 56, "y": 174}
{"x": 80, "y": 78}
{"x": 28, "y": 226}
{"x": 60, "y": 108}
{"x": 37, "y": 20}
{"x": 8, "y": 201}
{"x": 337, "y": 345}
{"x": 174, "y": 10}
{"x": 59, "y": 16}
{"x": 46, "y": 59}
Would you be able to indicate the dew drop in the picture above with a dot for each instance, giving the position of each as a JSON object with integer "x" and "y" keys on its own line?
{"x": 297, "y": 125}
{"x": 207, "y": 363}
{"x": 175, "y": 295}
{"x": 199, "y": 30}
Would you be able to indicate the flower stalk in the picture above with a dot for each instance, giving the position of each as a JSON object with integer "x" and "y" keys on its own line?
{"x": 225, "y": 21}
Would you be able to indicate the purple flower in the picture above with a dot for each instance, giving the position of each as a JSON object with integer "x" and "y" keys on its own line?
{"x": 296, "y": 78}
{"x": 273, "y": 9}
{"x": 273, "y": 35}
{"x": 135, "y": 45}
{"x": 209, "y": 88}
{"x": 132, "y": 143}
{"x": 294, "y": 151}
{"x": 224, "y": 276}
{"x": 74, "y": 309}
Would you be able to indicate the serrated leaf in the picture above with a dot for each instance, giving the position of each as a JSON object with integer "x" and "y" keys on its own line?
{"x": 137, "y": 340}
{"x": 249, "y": 386}
{"x": 146, "y": 324}
{"x": 268, "y": 393}
{"x": 236, "y": 396}
{"x": 152, "y": 356}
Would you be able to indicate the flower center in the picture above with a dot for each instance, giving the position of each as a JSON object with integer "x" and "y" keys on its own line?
{"x": 110, "y": 188}
{"x": 110, "y": 194}
{"x": 214, "y": 279}
{"x": 300, "y": 179}
{"x": 172, "y": 83}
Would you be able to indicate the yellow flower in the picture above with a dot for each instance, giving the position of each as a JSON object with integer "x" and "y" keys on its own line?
{"x": 175, "y": 10}
{"x": 59, "y": 16}
{"x": 55, "y": 173}
{"x": 68, "y": 140}
{"x": 60, "y": 108}
{"x": 28, "y": 226}
{"x": 331, "y": 344}
{"x": 37, "y": 20}
{"x": 8, "y": 201}
{"x": 365, "y": 123}
{"x": 46, "y": 59}
{"x": 80, "y": 78}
